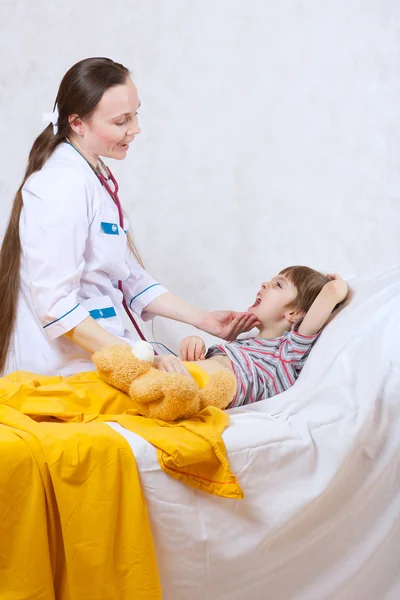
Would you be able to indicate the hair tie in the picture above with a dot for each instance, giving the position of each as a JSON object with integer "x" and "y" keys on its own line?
{"x": 52, "y": 118}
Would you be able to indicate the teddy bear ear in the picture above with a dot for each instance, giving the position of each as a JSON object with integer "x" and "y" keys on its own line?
{"x": 102, "y": 362}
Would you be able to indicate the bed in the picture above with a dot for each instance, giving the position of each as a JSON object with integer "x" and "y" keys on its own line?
{"x": 320, "y": 469}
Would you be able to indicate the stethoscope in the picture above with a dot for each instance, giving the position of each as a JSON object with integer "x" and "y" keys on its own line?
{"x": 104, "y": 178}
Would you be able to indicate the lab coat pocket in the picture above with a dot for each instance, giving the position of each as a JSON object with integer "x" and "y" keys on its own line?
{"x": 112, "y": 246}
{"x": 103, "y": 311}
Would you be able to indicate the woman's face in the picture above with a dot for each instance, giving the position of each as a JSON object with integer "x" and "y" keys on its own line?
{"x": 113, "y": 125}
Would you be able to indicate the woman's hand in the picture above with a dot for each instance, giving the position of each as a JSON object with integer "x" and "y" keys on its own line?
{"x": 192, "y": 348}
{"x": 227, "y": 324}
{"x": 170, "y": 364}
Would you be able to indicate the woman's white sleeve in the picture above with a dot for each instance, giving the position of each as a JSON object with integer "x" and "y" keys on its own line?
{"x": 140, "y": 289}
{"x": 54, "y": 229}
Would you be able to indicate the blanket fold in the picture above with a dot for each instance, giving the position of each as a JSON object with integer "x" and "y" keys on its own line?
{"x": 73, "y": 519}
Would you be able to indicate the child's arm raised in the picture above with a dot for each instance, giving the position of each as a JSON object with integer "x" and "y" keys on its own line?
{"x": 334, "y": 292}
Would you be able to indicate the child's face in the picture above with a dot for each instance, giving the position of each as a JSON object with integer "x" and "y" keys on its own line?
{"x": 274, "y": 299}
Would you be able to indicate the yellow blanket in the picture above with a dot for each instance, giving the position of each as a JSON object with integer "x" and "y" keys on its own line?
{"x": 73, "y": 520}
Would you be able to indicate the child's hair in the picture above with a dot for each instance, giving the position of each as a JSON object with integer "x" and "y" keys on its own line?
{"x": 308, "y": 284}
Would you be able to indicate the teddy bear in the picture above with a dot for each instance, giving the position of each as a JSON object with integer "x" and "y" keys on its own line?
{"x": 157, "y": 394}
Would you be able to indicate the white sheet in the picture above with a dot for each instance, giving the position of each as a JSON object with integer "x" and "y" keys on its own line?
{"x": 320, "y": 468}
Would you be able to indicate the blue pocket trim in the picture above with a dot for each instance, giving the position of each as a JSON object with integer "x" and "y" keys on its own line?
{"x": 110, "y": 228}
{"x": 103, "y": 313}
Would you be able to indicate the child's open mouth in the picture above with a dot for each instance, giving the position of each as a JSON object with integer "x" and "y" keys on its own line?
{"x": 257, "y": 302}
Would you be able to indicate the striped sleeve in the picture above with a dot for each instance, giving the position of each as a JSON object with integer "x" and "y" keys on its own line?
{"x": 296, "y": 346}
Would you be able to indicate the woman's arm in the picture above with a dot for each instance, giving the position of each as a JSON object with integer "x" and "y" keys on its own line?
{"x": 225, "y": 324}
{"x": 91, "y": 336}
{"x": 170, "y": 306}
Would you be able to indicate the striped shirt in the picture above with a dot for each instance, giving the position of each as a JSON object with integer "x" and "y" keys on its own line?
{"x": 265, "y": 367}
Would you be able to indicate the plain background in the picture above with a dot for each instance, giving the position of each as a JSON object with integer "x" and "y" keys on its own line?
{"x": 270, "y": 131}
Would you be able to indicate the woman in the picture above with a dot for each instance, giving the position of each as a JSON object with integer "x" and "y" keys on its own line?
{"x": 68, "y": 270}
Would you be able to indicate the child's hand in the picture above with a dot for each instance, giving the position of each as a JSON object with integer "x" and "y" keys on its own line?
{"x": 192, "y": 348}
{"x": 321, "y": 311}
{"x": 338, "y": 287}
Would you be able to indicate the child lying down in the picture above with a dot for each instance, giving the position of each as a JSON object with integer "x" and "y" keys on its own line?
{"x": 292, "y": 309}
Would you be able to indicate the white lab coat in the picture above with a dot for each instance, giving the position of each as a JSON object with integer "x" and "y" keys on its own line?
{"x": 73, "y": 254}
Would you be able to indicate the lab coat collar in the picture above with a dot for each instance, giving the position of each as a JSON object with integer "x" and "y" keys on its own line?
{"x": 66, "y": 152}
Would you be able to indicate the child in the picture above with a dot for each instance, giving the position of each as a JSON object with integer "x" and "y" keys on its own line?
{"x": 292, "y": 309}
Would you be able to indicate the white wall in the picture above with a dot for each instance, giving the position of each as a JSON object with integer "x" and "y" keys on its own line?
{"x": 270, "y": 134}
